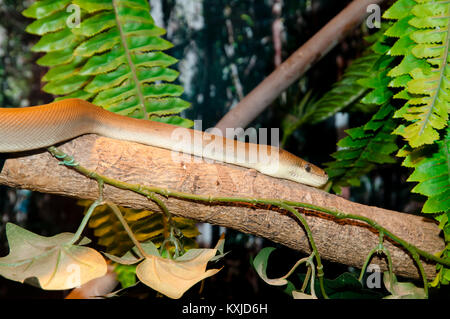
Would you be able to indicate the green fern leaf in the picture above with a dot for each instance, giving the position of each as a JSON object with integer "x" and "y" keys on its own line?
{"x": 426, "y": 62}
{"x": 351, "y": 88}
{"x": 45, "y": 8}
{"x": 433, "y": 175}
{"x": 372, "y": 144}
{"x": 113, "y": 58}
{"x": 399, "y": 9}
{"x": 363, "y": 149}
{"x": 345, "y": 92}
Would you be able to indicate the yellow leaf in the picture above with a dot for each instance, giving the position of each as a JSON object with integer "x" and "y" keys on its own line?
{"x": 51, "y": 263}
{"x": 301, "y": 295}
{"x": 174, "y": 277}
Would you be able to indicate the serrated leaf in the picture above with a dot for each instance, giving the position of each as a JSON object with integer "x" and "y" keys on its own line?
{"x": 68, "y": 85}
{"x": 53, "y": 23}
{"x": 55, "y": 41}
{"x": 144, "y": 43}
{"x": 63, "y": 71}
{"x": 94, "y": 5}
{"x": 400, "y": 28}
{"x": 123, "y": 47}
{"x": 44, "y": 8}
{"x": 56, "y": 58}
{"x": 427, "y": 62}
{"x": 399, "y": 9}
{"x": 362, "y": 148}
{"x": 80, "y": 94}
{"x": 99, "y": 43}
{"x": 432, "y": 171}
{"x": 96, "y": 24}
{"x": 165, "y": 106}
{"x": 345, "y": 92}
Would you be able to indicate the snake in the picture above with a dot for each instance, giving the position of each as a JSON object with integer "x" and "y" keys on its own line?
{"x": 41, "y": 126}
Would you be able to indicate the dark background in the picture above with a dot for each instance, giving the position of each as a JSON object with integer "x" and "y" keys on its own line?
{"x": 209, "y": 87}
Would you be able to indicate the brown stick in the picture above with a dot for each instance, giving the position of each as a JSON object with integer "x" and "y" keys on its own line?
{"x": 339, "y": 241}
{"x": 295, "y": 66}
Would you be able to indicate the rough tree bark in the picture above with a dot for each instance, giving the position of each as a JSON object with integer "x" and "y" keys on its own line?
{"x": 339, "y": 241}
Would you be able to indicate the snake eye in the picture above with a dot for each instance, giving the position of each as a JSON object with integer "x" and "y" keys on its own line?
{"x": 308, "y": 168}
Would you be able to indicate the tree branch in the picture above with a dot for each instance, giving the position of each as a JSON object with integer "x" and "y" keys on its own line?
{"x": 295, "y": 66}
{"x": 347, "y": 242}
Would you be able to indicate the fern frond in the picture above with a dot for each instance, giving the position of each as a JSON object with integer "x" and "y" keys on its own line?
{"x": 146, "y": 225}
{"x": 372, "y": 144}
{"x": 113, "y": 58}
{"x": 433, "y": 174}
{"x": 424, "y": 41}
{"x": 345, "y": 92}
{"x": 363, "y": 149}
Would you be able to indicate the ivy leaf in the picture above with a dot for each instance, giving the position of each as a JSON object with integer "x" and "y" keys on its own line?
{"x": 401, "y": 290}
{"x": 173, "y": 277}
{"x": 301, "y": 295}
{"x": 52, "y": 263}
{"x": 260, "y": 263}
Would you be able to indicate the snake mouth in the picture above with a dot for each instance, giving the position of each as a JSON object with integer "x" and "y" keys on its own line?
{"x": 315, "y": 180}
{"x": 311, "y": 177}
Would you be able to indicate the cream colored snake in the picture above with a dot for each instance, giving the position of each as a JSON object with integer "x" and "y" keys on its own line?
{"x": 29, "y": 128}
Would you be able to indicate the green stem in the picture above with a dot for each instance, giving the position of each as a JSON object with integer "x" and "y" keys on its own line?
{"x": 172, "y": 227}
{"x": 370, "y": 222}
{"x": 379, "y": 248}
{"x": 88, "y": 214}
{"x": 311, "y": 242}
{"x": 288, "y": 205}
{"x": 127, "y": 228}
{"x": 84, "y": 222}
{"x": 366, "y": 263}
{"x": 298, "y": 263}
{"x": 306, "y": 281}
{"x": 313, "y": 276}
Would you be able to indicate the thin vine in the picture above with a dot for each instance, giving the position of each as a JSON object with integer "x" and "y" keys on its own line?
{"x": 290, "y": 206}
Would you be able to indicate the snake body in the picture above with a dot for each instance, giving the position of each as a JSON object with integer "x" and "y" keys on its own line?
{"x": 29, "y": 128}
